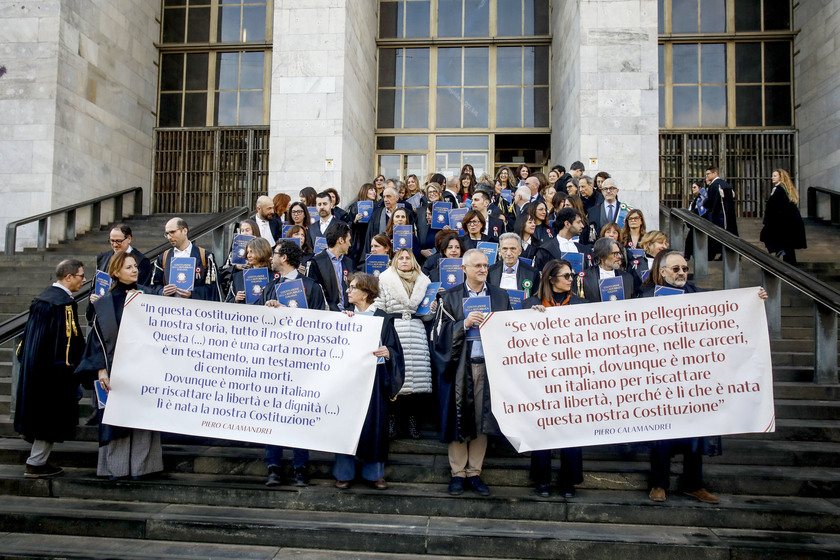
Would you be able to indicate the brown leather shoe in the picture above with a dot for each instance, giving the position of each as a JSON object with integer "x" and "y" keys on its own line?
{"x": 342, "y": 484}
{"x": 657, "y": 494}
{"x": 381, "y": 484}
{"x": 704, "y": 496}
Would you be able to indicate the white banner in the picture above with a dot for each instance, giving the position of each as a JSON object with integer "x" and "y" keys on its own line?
{"x": 292, "y": 377}
{"x": 636, "y": 370}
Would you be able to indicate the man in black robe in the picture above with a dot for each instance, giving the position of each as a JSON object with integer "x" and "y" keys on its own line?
{"x": 720, "y": 206}
{"x": 47, "y": 408}
{"x": 206, "y": 286}
{"x": 120, "y": 240}
{"x": 331, "y": 267}
{"x": 463, "y": 390}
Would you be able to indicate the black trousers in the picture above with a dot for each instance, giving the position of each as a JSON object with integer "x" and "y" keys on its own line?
{"x": 571, "y": 467}
{"x": 660, "y": 465}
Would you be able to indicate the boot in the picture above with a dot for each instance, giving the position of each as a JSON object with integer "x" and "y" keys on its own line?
{"x": 412, "y": 428}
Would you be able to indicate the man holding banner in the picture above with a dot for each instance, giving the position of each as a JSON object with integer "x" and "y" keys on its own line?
{"x": 671, "y": 271}
{"x": 466, "y": 415}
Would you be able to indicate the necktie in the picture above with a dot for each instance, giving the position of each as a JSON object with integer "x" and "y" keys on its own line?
{"x": 509, "y": 271}
{"x": 610, "y": 217}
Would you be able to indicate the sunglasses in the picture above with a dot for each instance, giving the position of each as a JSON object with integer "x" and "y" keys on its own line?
{"x": 677, "y": 269}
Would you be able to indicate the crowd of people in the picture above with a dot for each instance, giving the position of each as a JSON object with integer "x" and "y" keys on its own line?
{"x": 557, "y": 238}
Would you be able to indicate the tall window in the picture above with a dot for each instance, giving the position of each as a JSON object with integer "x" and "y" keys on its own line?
{"x": 466, "y": 77}
{"x": 725, "y": 63}
{"x": 215, "y": 63}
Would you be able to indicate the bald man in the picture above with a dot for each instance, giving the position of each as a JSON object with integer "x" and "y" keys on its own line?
{"x": 271, "y": 228}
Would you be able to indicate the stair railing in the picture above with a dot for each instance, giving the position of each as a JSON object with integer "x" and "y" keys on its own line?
{"x": 69, "y": 214}
{"x": 833, "y": 204}
{"x": 826, "y": 300}
{"x": 219, "y": 228}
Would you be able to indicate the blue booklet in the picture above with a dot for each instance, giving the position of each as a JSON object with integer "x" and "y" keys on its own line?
{"x": 645, "y": 274}
{"x": 400, "y": 204}
{"x": 291, "y": 294}
{"x": 101, "y": 394}
{"x": 456, "y": 218}
{"x": 286, "y": 230}
{"x": 468, "y": 203}
{"x": 529, "y": 262}
{"x": 480, "y": 303}
{"x": 428, "y": 298}
{"x": 440, "y": 214}
{"x": 255, "y": 281}
{"x": 402, "y": 237}
{"x": 182, "y": 273}
{"x": 637, "y": 253}
{"x": 490, "y": 249}
{"x": 667, "y": 291}
{"x": 313, "y": 214}
{"x": 623, "y": 209}
{"x": 451, "y": 273}
{"x": 612, "y": 289}
{"x": 293, "y": 240}
{"x": 575, "y": 259}
{"x": 507, "y": 194}
{"x": 415, "y": 201}
{"x": 376, "y": 264}
{"x": 365, "y": 210}
{"x": 516, "y": 298}
{"x": 320, "y": 244}
{"x": 237, "y": 253}
{"x": 102, "y": 283}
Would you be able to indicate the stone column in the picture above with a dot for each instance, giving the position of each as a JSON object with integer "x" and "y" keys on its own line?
{"x": 322, "y": 96}
{"x": 604, "y": 90}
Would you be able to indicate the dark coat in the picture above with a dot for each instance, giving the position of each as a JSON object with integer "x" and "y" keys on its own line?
{"x": 373, "y": 440}
{"x": 550, "y": 250}
{"x": 589, "y": 202}
{"x": 527, "y": 277}
{"x": 314, "y": 293}
{"x": 720, "y": 206}
{"x": 374, "y": 227}
{"x": 314, "y": 231}
{"x": 532, "y": 301}
{"x": 497, "y": 226}
{"x": 320, "y": 269}
{"x": 597, "y": 218}
{"x": 47, "y": 393}
{"x": 207, "y": 286}
{"x": 275, "y": 224}
{"x": 649, "y": 289}
{"x": 450, "y": 353}
{"x": 592, "y": 290}
{"x": 144, "y": 265}
{"x": 783, "y": 225}
{"x": 99, "y": 351}
{"x": 470, "y": 243}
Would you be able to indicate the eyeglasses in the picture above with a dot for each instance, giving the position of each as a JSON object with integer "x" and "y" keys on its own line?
{"x": 82, "y": 276}
{"x": 278, "y": 253}
{"x": 479, "y": 266}
{"x": 171, "y": 233}
{"x": 352, "y": 287}
{"x": 677, "y": 269}
{"x": 633, "y": 219}
{"x": 117, "y": 241}
{"x": 297, "y": 211}
{"x": 609, "y": 189}
{"x": 616, "y": 253}
{"x": 474, "y": 223}
{"x": 567, "y": 276}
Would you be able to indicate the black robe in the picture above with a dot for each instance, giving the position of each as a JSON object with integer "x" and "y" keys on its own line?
{"x": 47, "y": 394}
{"x": 783, "y": 226}
{"x": 373, "y": 440}
{"x": 99, "y": 351}
{"x": 450, "y": 354}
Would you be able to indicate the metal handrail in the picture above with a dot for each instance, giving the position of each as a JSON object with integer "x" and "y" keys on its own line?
{"x": 825, "y": 298}
{"x": 69, "y": 213}
{"x": 220, "y": 226}
{"x": 833, "y": 203}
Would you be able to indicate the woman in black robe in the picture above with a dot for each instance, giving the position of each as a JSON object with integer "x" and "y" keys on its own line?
{"x": 123, "y": 451}
{"x": 784, "y": 230}
{"x": 372, "y": 450}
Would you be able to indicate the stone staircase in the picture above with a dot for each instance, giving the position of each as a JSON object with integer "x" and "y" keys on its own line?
{"x": 780, "y": 494}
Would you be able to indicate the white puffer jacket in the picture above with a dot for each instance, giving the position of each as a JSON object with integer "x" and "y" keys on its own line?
{"x": 394, "y": 299}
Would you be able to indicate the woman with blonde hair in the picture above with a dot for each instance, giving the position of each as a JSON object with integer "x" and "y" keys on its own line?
{"x": 784, "y": 230}
{"x": 634, "y": 229}
{"x": 402, "y": 288}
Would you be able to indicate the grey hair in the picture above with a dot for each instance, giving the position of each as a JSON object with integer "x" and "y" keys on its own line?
{"x": 603, "y": 248}
{"x": 510, "y": 235}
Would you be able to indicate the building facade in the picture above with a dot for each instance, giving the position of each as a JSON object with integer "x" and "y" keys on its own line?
{"x": 210, "y": 103}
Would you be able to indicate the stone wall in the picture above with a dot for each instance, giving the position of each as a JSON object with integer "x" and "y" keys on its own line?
{"x": 816, "y": 73}
{"x": 605, "y": 75}
{"x": 319, "y": 114}
{"x": 76, "y": 103}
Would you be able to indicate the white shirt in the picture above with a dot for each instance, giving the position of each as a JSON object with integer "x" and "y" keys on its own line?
{"x": 566, "y": 245}
{"x": 63, "y": 287}
{"x": 265, "y": 230}
{"x": 177, "y": 253}
{"x": 508, "y": 281}
{"x": 324, "y": 225}
{"x": 606, "y": 273}
{"x": 609, "y": 210}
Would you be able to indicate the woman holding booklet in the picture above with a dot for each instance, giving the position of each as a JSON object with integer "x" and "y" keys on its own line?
{"x": 372, "y": 450}
{"x": 555, "y": 292}
{"x": 402, "y": 288}
{"x": 257, "y": 255}
{"x": 123, "y": 452}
